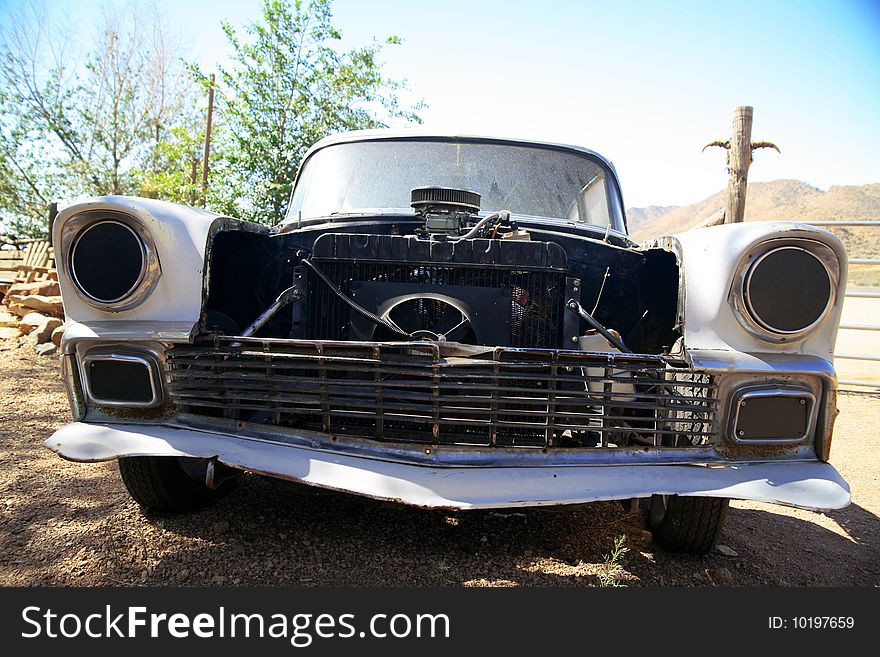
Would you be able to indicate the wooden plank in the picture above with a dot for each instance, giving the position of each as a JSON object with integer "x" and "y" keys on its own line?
{"x": 42, "y": 254}
{"x": 35, "y": 263}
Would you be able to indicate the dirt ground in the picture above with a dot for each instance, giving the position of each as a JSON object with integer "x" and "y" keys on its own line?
{"x": 73, "y": 524}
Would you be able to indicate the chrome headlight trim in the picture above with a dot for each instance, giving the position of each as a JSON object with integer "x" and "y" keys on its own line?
{"x": 739, "y": 298}
{"x": 150, "y": 271}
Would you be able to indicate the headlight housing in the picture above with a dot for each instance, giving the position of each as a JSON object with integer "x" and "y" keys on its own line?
{"x": 784, "y": 288}
{"x": 111, "y": 259}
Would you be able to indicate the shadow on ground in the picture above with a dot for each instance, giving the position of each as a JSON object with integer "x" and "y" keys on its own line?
{"x": 269, "y": 534}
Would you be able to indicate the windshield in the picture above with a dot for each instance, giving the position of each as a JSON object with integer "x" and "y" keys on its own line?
{"x": 371, "y": 176}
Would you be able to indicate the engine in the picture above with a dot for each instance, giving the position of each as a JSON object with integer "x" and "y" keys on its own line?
{"x": 449, "y": 281}
{"x": 478, "y": 291}
{"x": 445, "y": 273}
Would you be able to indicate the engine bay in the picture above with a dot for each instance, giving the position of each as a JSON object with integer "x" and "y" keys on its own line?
{"x": 444, "y": 274}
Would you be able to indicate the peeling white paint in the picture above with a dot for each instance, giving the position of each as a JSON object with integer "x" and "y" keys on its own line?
{"x": 808, "y": 485}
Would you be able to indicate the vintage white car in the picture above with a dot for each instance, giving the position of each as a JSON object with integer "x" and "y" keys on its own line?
{"x": 455, "y": 323}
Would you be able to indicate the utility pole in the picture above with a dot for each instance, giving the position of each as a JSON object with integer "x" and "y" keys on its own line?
{"x": 739, "y": 156}
{"x": 207, "y": 142}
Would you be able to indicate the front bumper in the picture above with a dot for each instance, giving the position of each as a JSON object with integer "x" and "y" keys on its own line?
{"x": 805, "y": 484}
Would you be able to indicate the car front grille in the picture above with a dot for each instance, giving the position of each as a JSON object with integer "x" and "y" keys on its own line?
{"x": 446, "y": 393}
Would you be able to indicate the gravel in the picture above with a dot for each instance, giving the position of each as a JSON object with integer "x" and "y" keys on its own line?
{"x": 69, "y": 524}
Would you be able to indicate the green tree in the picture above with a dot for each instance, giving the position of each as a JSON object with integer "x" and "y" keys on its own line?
{"x": 289, "y": 85}
{"x": 33, "y": 84}
{"x": 175, "y": 172}
{"x": 70, "y": 126}
{"x": 29, "y": 182}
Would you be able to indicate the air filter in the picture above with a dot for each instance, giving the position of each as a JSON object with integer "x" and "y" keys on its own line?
{"x": 433, "y": 200}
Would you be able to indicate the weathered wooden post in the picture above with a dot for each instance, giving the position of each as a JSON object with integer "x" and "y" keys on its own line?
{"x": 739, "y": 157}
{"x": 53, "y": 214}
{"x": 193, "y": 179}
{"x": 207, "y": 141}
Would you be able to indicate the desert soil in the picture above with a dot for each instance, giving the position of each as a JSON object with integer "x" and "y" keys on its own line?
{"x": 73, "y": 524}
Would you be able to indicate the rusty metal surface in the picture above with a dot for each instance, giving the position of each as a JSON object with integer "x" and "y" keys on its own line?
{"x": 426, "y": 391}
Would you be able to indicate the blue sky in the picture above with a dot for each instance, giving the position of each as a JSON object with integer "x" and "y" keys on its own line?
{"x": 644, "y": 83}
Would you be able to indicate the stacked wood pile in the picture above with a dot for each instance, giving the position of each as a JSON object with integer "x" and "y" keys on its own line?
{"x": 31, "y": 312}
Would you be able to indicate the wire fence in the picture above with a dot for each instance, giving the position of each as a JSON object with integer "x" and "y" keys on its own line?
{"x": 859, "y": 385}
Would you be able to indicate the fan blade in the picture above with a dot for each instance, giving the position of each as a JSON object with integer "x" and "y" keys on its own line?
{"x": 406, "y": 316}
{"x": 450, "y": 318}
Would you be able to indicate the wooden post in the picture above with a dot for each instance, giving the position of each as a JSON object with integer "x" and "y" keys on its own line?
{"x": 740, "y": 158}
{"x": 207, "y": 142}
{"x": 53, "y": 213}
{"x": 193, "y": 179}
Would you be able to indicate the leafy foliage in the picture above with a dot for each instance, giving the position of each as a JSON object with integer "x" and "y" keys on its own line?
{"x": 70, "y": 127}
{"x": 612, "y": 567}
{"x": 175, "y": 173}
{"x": 288, "y": 87}
{"x": 128, "y": 117}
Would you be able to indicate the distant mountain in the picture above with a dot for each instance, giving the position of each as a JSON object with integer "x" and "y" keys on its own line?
{"x": 646, "y": 216}
{"x": 787, "y": 200}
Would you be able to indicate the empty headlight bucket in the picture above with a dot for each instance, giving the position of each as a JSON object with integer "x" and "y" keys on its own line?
{"x": 111, "y": 259}
{"x": 785, "y": 288}
{"x": 122, "y": 377}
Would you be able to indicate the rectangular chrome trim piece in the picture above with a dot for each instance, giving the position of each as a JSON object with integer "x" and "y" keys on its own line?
{"x": 762, "y": 392}
{"x": 147, "y": 360}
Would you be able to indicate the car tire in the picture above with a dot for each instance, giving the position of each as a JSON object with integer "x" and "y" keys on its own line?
{"x": 687, "y": 524}
{"x": 161, "y": 483}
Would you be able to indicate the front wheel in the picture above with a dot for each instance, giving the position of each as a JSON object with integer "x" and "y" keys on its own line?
{"x": 687, "y": 524}
{"x": 170, "y": 484}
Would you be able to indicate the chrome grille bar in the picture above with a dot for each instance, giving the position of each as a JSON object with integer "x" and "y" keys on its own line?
{"x": 446, "y": 393}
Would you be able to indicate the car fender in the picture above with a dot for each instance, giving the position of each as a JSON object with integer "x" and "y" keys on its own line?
{"x": 710, "y": 259}
{"x": 181, "y": 236}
